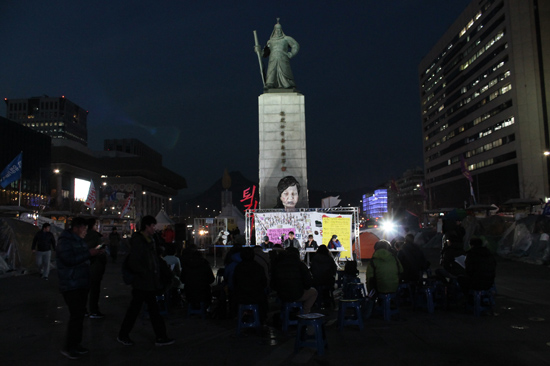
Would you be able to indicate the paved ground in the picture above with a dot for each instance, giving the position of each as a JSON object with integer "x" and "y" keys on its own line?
{"x": 33, "y": 320}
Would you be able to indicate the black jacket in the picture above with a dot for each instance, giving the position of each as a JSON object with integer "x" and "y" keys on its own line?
{"x": 43, "y": 241}
{"x": 73, "y": 262}
{"x": 481, "y": 268}
{"x": 290, "y": 277}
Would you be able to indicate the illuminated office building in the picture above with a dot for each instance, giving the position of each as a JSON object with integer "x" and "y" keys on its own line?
{"x": 56, "y": 117}
{"x": 484, "y": 97}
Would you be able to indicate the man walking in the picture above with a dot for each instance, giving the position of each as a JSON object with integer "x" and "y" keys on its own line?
{"x": 143, "y": 262}
{"x": 73, "y": 269}
{"x": 42, "y": 246}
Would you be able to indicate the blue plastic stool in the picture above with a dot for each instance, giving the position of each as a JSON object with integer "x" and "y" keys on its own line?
{"x": 356, "y": 319}
{"x": 483, "y": 301}
{"x": 355, "y": 290}
{"x": 255, "y": 323}
{"x": 286, "y": 309}
{"x": 385, "y": 304}
{"x": 405, "y": 293}
{"x": 424, "y": 295}
{"x": 318, "y": 340}
{"x": 201, "y": 311}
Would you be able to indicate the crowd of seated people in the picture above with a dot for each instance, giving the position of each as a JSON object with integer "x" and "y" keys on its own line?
{"x": 252, "y": 275}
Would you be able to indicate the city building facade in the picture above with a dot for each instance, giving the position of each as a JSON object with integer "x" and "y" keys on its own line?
{"x": 36, "y": 159}
{"x": 484, "y": 103}
{"x": 56, "y": 117}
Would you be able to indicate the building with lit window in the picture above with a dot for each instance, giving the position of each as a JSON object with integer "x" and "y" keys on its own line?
{"x": 376, "y": 205}
{"x": 407, "y": 195}
{"x": 56, "y": 117}
{"x": 485, "y": 97}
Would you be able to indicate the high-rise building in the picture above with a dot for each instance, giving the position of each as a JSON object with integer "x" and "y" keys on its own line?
{"x": 56, "y": 117}
{"x": 484, "y": 91}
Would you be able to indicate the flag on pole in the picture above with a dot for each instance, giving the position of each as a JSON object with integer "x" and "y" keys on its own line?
{"x": 465, "y": 170}
{"x": 423, "y": 191}
{"x": 12, "y": 172}
{"x": 91, "y": 200}
{"x": 472, "y": 193}
{"x": 393, "y": 186}
{"x": 126, "y": 206}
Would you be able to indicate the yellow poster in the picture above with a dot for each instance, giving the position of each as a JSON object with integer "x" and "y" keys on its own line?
{"x": 341, "y": 227}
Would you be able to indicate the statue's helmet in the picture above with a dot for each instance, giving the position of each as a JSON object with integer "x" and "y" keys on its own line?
{"x": 277, "y": 31}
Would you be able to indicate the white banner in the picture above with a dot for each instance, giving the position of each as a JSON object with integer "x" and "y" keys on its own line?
{"x": 319, "y": 224}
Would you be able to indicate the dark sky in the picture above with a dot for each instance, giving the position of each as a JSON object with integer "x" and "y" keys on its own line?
{"x": 182, "y": 77}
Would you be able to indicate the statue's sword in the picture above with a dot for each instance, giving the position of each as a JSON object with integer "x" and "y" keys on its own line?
{"x": 259, "y": 57}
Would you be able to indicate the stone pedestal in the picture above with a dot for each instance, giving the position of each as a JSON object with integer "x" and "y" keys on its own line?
{"x": 282, "y": 144}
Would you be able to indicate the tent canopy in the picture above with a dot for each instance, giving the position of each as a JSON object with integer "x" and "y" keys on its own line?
{"x": 163, "y": 220}
{"x": 367, "y": 240}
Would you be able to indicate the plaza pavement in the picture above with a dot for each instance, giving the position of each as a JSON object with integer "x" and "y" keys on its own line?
{"x": 33, "y": 319}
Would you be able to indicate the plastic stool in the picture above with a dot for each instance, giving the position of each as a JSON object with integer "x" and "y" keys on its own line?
{"x": 318, "y": 340}
{"x": 405, "y": 292}
{"x": 483, "y": 301}
{"x": 385, "y": 300}
{"x": 355, "y": 290}
{"x": 253, "y": 324}
{"x": 425, "y": 296}
{"x": 343, "y": 320}
{"x": 193, "y": 311}
{"x": 286, "y": 309}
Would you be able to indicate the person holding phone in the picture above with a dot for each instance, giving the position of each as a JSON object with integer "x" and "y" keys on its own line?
{"x": 73, "y": 268}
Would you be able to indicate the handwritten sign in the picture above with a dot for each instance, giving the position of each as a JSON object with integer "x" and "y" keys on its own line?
{"x": 341, "y": 227}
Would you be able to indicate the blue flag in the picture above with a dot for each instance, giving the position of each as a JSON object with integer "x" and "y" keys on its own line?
{"x": 12, "y": 172}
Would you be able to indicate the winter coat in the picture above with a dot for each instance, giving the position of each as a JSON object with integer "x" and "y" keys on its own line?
{"x": 43, "y": 241}
{"x": 480, "y": 267}
{"x": 323, "y": 270}
{"x": 383, "y": 272}
{"x": 249, "y": 282}
{"x": 290, "y": 277}
{"x": 196, "y": 275}
{"x": 73, "y": 262}
{"x": 413, "y": 261}
{"x": 143, "y": 262}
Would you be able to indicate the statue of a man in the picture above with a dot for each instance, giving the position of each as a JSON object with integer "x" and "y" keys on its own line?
{"x": 280, "y": 49}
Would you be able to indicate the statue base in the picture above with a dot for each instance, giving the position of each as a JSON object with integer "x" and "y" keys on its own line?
{"x": 282, "y": 127}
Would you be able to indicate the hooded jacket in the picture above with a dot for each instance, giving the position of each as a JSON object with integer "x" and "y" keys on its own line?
{"x": 383, "y": 272}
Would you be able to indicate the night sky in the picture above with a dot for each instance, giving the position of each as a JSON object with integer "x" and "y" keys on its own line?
{"x": 182, "y": 77}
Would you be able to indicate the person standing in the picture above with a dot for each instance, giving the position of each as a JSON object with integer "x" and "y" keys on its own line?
{"x": 42, "y": 246}
{"x": 143, "y": 262}
{"x": 114, "y": 242}
{"x": 291, "y": 241}
{"x": 73, "y": 268}
{"x": 97, "y": 268}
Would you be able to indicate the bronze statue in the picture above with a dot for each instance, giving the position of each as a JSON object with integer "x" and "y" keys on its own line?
{"x": 280, "y": 49}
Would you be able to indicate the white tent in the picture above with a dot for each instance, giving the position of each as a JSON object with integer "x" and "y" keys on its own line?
{"x": 162, "y": 220}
